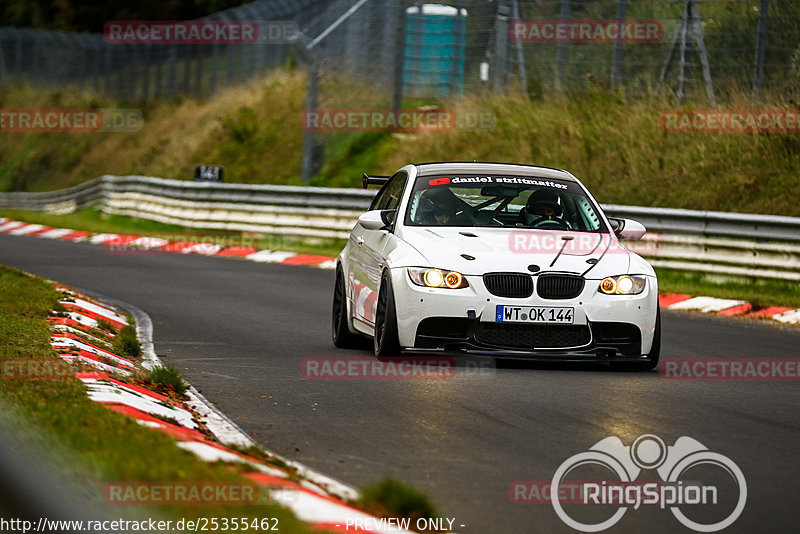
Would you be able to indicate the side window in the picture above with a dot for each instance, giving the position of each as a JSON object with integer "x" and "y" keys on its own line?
{"x": 379, "y": 198}
{"x": 389, "y": 197}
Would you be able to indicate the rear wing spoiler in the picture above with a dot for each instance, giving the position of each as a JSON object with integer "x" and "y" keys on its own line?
{"x": 374, "y": 180}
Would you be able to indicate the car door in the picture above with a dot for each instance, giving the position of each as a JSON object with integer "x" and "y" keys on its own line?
{"x": 370, "y": 247}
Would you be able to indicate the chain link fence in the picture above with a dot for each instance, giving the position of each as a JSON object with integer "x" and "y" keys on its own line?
{"x": 150, "y": 71}
{"x": 748, "y": 47}
{"x": 709, "y": 49}
{"x": 390, "y": 54}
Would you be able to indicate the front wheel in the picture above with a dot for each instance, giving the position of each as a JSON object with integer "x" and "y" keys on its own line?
{"x": 342, "y": 336}
{"x": 386, "y": 340}
{"x": 653, "y": 356}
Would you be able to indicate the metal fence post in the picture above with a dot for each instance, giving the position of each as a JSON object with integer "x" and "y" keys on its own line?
{"x": 186, "y": 61}
{"x": 523, "y": 73}
{"x": 682, "y": 61}
{"x": 501, "y": 46}
{"x": 199, "y": 65}
{"x": 697, "y": 27}
{"x": 616, "y": 71}
{"x": 80, "y": 54}
{"x": 308, "y": 135}
{"x": 2, "y": 57}
{"x": 35, "y": 61}
{"x": 96, "y": 61}
{"x": 146, "y": 70}
{"x": 17, "y": 56}
{"x": 135, "y": 72}
{"x": 108, "y": 67}
{"x": 399, "y": 16}
{"x": 761, "y": 48}
{"x": 172, "y": 70}
{"x": 561, "y": 51}
{"x": 456, "y": 65}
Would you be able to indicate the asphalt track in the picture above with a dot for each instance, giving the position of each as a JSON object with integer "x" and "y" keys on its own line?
{"x": 240, "y": 330}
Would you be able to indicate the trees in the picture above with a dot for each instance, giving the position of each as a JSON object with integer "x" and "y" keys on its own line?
{"x": 91, "y": 15}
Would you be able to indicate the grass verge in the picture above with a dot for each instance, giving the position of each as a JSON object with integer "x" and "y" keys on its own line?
{"x": 761, "y": 294}
{"x": 92, "y": 220}
{"x": 615, "y": 144}
{"x": 96, "y": 445}
{"x": 391, "y": 498}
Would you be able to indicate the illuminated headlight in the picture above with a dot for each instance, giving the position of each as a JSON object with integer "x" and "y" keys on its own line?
{"x": 622, "y": 285}
{"x": 437, "y": 278}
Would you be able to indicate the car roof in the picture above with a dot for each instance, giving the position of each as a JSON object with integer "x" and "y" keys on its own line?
{"x": 473, "y": 167}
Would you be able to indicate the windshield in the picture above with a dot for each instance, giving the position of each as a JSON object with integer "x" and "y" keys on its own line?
{"x": 492, "y": 201}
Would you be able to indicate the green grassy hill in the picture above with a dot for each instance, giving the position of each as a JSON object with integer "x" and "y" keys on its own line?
{"x": 616, "y": 146}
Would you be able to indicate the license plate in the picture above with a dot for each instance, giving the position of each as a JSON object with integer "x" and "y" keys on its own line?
{"x": 534, "y": 314}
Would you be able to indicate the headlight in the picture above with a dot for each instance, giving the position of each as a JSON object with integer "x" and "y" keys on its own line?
{"x": 622, "y": 285}
{"x": 437, "y": 278}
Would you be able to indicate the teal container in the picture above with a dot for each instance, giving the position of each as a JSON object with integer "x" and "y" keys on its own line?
{"x": 434, "y": 55}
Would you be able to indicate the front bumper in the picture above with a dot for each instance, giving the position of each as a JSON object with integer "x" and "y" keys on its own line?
{"x": 620, "y": 326}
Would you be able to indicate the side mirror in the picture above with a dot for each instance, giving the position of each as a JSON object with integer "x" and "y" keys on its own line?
{"x": 377, "y": 219}
{"x": 627, "y": 228}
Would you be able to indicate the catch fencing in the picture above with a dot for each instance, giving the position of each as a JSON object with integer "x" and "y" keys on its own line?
{"x": 702, "y": 49}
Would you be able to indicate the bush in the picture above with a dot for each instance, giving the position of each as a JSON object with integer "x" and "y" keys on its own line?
{"x": 168, "y": 378}
{"x": 125, "y": 343}
{"x": 391, "y": 498}
{"x": 102, "y": 324}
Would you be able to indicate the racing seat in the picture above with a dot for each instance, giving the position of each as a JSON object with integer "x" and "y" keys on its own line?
{"x": 543, "y": 210}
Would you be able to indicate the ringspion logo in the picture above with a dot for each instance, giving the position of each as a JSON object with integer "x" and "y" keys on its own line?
{"x": 671, "y": 463}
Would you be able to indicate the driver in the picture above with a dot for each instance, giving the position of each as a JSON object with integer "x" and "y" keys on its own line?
{"x": 543, "y": 205}
{"x": 440, "y": 206}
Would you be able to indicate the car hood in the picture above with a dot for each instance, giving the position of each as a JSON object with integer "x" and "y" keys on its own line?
{"x": 515, "y": 250}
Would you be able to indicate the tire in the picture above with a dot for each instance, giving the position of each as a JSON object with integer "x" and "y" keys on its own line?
{"x": 653, "y": 357}
{"x": 655, "y": 349}
{"x": 342, "y": 336}
{"x": 386, "y": 340}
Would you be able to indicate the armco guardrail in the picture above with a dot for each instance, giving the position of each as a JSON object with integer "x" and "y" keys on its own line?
{"x": 760, "y": 246}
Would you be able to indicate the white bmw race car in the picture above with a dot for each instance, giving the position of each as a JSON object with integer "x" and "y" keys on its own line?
{"x": 495, "y": 259}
